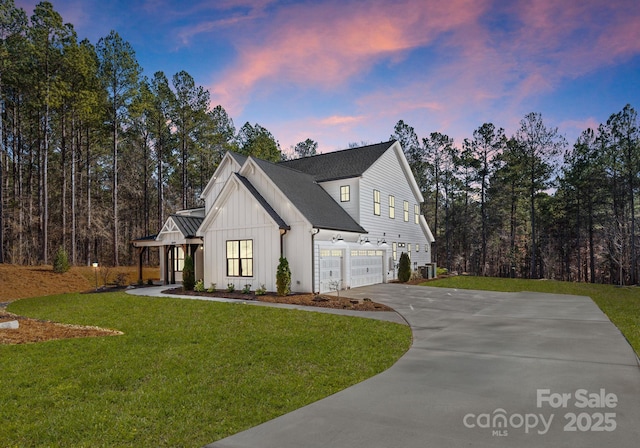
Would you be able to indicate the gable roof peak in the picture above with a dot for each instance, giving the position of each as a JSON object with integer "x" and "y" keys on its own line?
{"x": 343, "y": 164}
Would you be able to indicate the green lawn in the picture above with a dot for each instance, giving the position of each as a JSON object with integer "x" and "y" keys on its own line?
{"x": 621, "y": 305}
{"x": 185, "y": 373}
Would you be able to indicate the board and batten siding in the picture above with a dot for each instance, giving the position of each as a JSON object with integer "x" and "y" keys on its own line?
{"x": 388, "y": 177}
{"x": 297, "y": 240}
{"x": 241, "y": 214}
{"x": 219, "y": 179}
{"x": 241, "y": 217}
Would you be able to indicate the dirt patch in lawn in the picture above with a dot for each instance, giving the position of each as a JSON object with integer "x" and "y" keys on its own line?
{"x": 18, "y": 282}
{"x": 35, "y": 330}
{"x": 319, "y": 300}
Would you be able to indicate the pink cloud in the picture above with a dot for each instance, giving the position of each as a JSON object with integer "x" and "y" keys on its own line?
{"x": 326, "y": 44}
{"x": 336, "y": 120}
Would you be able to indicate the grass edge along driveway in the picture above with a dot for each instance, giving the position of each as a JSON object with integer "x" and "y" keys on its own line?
{"x": 185, "y": 373}
{"x": 620, "y": 304}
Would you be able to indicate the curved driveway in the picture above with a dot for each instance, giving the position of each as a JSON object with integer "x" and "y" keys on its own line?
{"x": 485, "y": 369}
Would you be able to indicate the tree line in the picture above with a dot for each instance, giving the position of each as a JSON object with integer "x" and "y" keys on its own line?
{"x": 92, "y": 153}
{"x": 530, "y": 205}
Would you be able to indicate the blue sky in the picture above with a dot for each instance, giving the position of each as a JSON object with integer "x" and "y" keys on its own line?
{"x": 341, "y": 71}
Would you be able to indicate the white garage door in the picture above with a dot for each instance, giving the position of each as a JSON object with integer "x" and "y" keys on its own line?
{"x": 366, "y": 267}
{"x": 330, "y": 270}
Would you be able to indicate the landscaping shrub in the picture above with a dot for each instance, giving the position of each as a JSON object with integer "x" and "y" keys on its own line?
{"x": 61, "y": 261}
{"x": 404, "y": 268}
{"x": 199, "y": 287}
{"x": 283, "y": 277}
{"x": 188, "y": 274}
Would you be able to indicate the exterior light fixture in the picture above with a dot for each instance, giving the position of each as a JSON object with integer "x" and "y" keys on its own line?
{"x": 95, "y": 270}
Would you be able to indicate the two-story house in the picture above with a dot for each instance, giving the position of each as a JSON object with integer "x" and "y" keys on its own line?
{"x": 341, "y": 219}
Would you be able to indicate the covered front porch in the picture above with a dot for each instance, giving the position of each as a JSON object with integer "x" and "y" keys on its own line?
{"x": 176, "y": 240}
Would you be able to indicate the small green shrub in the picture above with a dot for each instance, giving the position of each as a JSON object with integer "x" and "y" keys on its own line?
{"x": 212, "y": 288}
{"x": 199, "y": 286}
{"x": 283, "y": 277}
{"x": 230, "y": 287}
{"x": 61, "y": 261}
{"x": 261, "y": 291}
{"x": 404, "y": 268}
{"x": 188, "y": 274}
{"x": 246, "y": 289}
{"x": 441, "y": 271}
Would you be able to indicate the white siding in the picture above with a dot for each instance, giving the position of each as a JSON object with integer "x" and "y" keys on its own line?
{"x": 387, "y": 176}
{"x": 241, "y": 218}
{"x": 353, "y": 205}
{"x": 218, "y": 181}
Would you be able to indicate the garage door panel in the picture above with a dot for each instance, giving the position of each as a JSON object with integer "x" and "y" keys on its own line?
{"x": 366, "y": 270}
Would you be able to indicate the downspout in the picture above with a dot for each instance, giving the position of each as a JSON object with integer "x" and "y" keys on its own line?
{"x": 314, "y": 232}
{"x": 282, "y": 233}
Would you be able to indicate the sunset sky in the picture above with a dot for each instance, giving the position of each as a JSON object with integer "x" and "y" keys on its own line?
{"x": 341, "y": 71}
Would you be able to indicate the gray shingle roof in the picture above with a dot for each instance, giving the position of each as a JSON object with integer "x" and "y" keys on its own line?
{"x": 339, "y": 164}
{"x": 263, "y": 202}
{"x": 188, "y": 225}
{"x": 238, "y": 157}
{"x": 317, "y": 206}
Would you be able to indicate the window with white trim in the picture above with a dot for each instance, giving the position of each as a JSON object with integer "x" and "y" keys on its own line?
{"x": 416, "y": 212}
{"x": 392, "y": 207}
{"x": 345, "y": 193}
{"x": 376, "y": 202}
{"x": 240, "y": 258}
{"x": 405, "y": 208}
{"x": 394, "y": 251}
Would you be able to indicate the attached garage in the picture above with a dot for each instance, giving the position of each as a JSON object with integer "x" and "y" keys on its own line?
{"x": 366, "y": 267}
{"x": 331, "y": 269}
{"x": 349, "y": 267}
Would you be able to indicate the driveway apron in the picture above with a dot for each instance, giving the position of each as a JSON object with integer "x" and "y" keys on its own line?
{"x": 485, "y": 369}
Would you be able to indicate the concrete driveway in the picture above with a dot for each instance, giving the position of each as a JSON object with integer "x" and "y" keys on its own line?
{"x": 485, "y": 369}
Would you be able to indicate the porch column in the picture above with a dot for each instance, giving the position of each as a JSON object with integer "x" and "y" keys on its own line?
{"x": 140, "y": 256}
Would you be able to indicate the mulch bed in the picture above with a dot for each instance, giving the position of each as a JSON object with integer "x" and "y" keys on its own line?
{"x": 35, "y": 330}
{"x": 318, "y": 300}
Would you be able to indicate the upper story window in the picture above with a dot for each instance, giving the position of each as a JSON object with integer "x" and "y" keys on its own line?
{"x": 240, "y": 258}
{"x": 376, "y": 202}
{"x": 405, "y": 208}
{"x": 392, "y": 207}
{"x": 416, "y": 213}
{"x": 345, "y": 193}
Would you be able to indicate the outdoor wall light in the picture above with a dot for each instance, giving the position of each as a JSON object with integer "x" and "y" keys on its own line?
{"x": 337, "y": 239}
